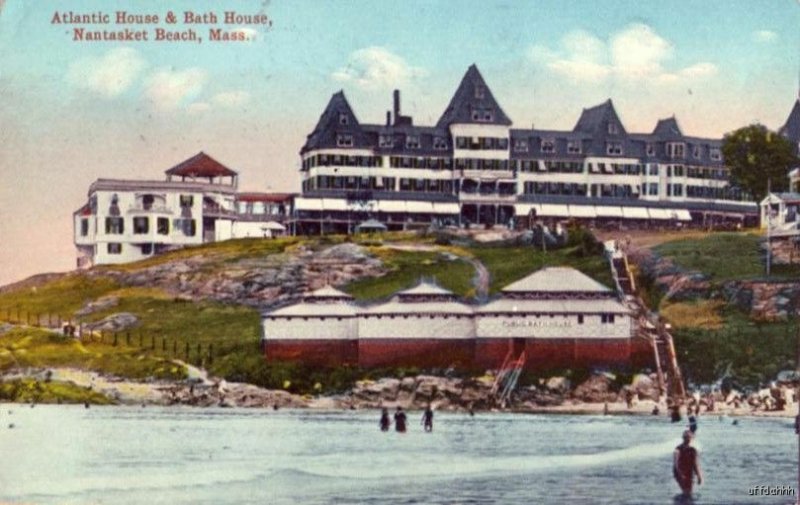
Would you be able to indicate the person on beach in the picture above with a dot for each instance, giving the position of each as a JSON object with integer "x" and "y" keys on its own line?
{"x": 686, "y": 464}
{"x": 427, "y": 419}
{"x": 692, "y": 424}
{"x": 400, "y": 420}
{"x": 385, "y": 421}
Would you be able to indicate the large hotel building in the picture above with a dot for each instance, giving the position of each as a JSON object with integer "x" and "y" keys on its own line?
{"x": 472, "y": 167}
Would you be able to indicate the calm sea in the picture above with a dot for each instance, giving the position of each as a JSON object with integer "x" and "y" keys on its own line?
{"x": 126, "y": 455}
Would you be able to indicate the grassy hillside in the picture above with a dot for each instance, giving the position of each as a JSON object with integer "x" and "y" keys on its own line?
{"x": 168, "y": 325}
{"x": 716, "y": 339}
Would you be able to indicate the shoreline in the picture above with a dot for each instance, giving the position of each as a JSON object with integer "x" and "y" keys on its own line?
{"x": 200, "y": 391}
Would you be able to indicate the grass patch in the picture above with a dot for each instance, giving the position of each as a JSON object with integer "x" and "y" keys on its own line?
{"x": 724, "y": 256}
{"x": 37, "y": 348}
{"x": 31, "y": 390}
{"x": 62, "y": 296}
{"x": 751, "y": 353}
{"x": 407, "y": 268}
{"x": 701, "y": 314}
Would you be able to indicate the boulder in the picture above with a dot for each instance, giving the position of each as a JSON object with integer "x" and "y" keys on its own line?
{"x": 101, "y": 303}
{"x": 558, "y": 384}
{"x": 596, "y": 389}
{"x": 115, "y": 322}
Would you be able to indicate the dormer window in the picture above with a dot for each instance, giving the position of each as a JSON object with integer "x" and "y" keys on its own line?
{"x": 715, "y": 154}
{"x": 696, "y": 152}
{"x": 483, "y": 115}
{"x": 439, "y": 143}
{"x": 613, "y": 129}
{"x": 573, "y": 147}
{"x": 613, "y": 148}
{"x": 520, "y": 146}
{"x": 385, "y": 141}
{"x": 650, "y": 150}
{"x": 344, "y": 140}
{"x": 548, "y": 146}
{"x": 412, "y": 142}
{"x": 343, "y": 119}
{"x": 480, "y": 91}
{"x": 676, "y": 149}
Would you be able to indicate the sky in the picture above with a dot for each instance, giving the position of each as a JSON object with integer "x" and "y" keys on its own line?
{"x": 75, "y": 111}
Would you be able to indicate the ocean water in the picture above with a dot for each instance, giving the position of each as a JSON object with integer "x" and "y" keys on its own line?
{"x": 132, "y": 455}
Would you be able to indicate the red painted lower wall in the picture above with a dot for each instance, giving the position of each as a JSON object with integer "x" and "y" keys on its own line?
{"x": 422, "y": 353}
{"x": 485, "y": 354}
{"x": 320, "y": 352}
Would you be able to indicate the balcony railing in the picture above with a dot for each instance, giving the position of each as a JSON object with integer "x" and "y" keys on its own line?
{"x": 149, "y": 209}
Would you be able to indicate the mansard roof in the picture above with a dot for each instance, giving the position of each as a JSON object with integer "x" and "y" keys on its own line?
{"x": 426, "y": 135}
{"x": 791, "y": 128}
{"x": 472, "y": 94}
{"x": 337, "y": 118}
{"x": 595, "y": 120}
{"x": 556, "y": 280}
{"x": 201, "y": 165}
{"x": 668, "y": 129}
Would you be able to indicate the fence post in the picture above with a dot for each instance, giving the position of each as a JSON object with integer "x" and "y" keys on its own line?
{"x": 115, "y": 339}
{"x": 210, "y": 356}
{"x": 127, "y": 338}
{"x": 187, "y": 351}
{"x": 174, "y": 348}
{"x": 140, "y": 338}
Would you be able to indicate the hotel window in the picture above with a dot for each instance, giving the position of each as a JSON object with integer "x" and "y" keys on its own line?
{"x": 147, "y": 249}
{"x": 613, "y": 129}
{"x": 412, "y": 142}
{"x": 502, "y": 143}
{"x": 344, "y": 140}
{"x": 115, "y": 225}
{"x": 343, "y": 119}
{"x": 573, "y": 147}
{"x": 147, "y": 202}
{"x": 114, "y": 248}
{"x": 385, "y": 141}
{"x": 84, "y": 227}
{"x": 677, "y": 190}
{"x": 653, "y": 188}
{"x": 715, "y": 154}
{"x": 521, "y": 146}
{"x": 580, "y": 318}
{"x": 653, "y": 169}
{"x": 439, "y": 143}
{"x": 696, "y": 151}
{"x": 480, "y": 91}
{"x": 482, "y": 115}
{"x": 650, "y": 150}
{"x": 548, "y": 146}
{"x": 613, "y": 148}
{"x": 462, "y": 142}
{"x": 162, "y": 226}
{"x": 187, "y": 226}
{"x": 676, "y": 149}
{"x": 187, "y": 200}
{"x": 141, "y": 225}
{"x": 607, "y": 318}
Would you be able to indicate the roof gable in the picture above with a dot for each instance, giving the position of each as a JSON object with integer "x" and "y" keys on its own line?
{"x": 337, "y": 119}
{"x": 600, "y": 120}
{"x": 473, "y": 102}
{"x": 556, "y": 280}
{"x": 791, "y": 128}
{"x": 668, "y": 129}
{"x": 201, "y": 165}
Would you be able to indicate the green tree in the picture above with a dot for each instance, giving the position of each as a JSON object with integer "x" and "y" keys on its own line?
{"x": 756, "y": 155}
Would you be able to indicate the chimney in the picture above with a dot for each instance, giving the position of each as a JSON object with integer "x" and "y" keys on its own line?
{"x": 388, "y": 118}
{"x": 396, "y": 105}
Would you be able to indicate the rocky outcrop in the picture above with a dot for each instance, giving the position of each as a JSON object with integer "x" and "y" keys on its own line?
{"x": 765, "y": 301}
{"x": 103, "y": 303}
{"x": 115, "y": 322}
{"x": 265, "y": 282}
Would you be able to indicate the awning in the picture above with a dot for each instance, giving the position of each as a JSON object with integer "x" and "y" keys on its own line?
{"x": 660, "y": 213}
{"x": 308, "y": 203}
{"x": 635, "y": 213}
{"x": 272, "y": 225}
{"x": 604, "y": 211}
{"x": 392, "y": 206}
{"x": 419, "y": 207}
{"x": 683, "y": 214}
{"x": 446, "y": 208}
{"x": 550, "y": 209}
{"x": 582, "y": 211}
{"x": 524, "y": 209}
{"x": 334, "y": 204}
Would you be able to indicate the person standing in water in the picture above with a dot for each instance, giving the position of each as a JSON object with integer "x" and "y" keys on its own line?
{"x": 427, "y": 419}
{"x": 385, "y": 421}
{"x": 686, "y": 464}
{"x": 400, "y": 420}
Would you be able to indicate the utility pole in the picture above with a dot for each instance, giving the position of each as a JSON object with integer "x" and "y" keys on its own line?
{"x": 769, "y": 225}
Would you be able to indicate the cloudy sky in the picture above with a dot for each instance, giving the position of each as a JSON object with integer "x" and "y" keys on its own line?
{"x": 71, "y": 112}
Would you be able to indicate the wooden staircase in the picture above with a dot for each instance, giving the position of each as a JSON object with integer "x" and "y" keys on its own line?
{"x": 507, "y": 377}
